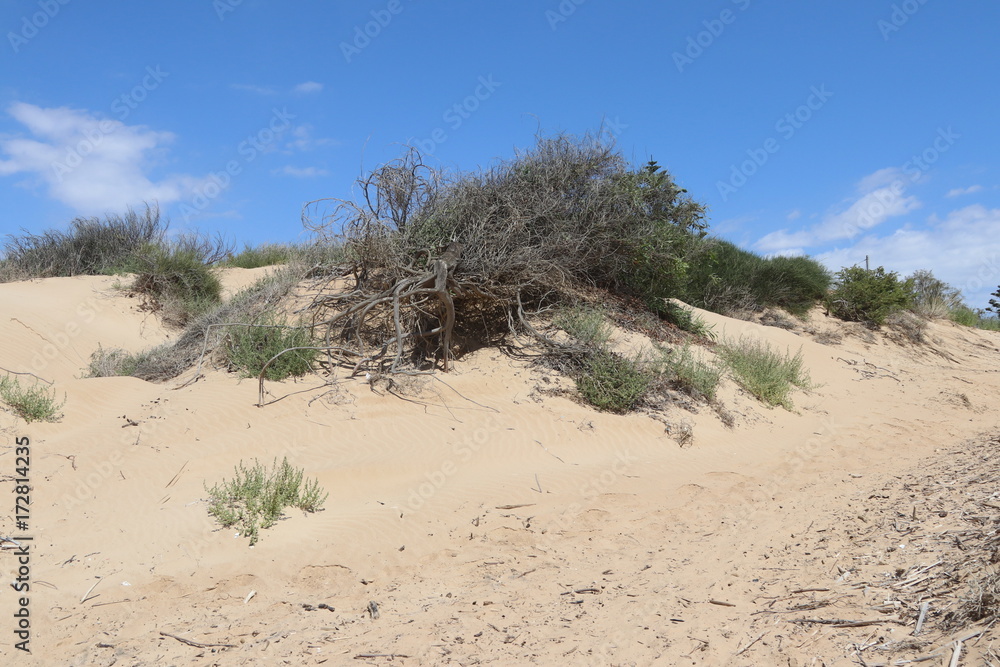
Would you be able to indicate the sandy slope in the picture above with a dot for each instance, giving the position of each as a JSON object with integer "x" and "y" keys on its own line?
{"x": 488, "y": 519}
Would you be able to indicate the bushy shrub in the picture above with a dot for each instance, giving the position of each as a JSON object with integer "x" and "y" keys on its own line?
{"x": 176, "y": 277}
{"x": 869, "y": 296}
{"x": 765, "y": 372}
{"x": 728, "y": 279}
{"x": 933, "y": 298}
{"x": 255, "y": 498}
{"x": 250, "y": 346}
{"x": 612, "y": 382}
{"x": 91, "y": 246}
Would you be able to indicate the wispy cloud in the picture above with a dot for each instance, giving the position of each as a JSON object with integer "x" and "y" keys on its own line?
{"x": 90, "y": 164}
{"x": 308, "y": 87}
{"x": 958, "y": 192}
{"x": 302, "y": 172}
{"x": 881, "y": 197}
{"x": 303, "y": 140}
{"x": 251, "y": 88}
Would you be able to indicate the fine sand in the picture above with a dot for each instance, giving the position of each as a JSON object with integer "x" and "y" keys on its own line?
{"x": 487, "y": 517}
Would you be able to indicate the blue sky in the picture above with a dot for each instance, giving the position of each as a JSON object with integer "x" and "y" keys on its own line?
{"x": 835, "y": 129}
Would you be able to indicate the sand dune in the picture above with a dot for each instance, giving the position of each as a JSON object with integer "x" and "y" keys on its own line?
{"x": 518, "y": 527}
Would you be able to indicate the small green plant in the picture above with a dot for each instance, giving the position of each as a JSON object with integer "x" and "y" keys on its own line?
{"x": 251, "y": 345}
{"x": 612, "y": 382}
{"x": 587, "y": 325}
{"x": 869, "y": 296}
{"x": 690, "y": 373}
{"x": 33, "y": 404}
{"x": 765, "y": 372}
{"x": 255, "y": 498}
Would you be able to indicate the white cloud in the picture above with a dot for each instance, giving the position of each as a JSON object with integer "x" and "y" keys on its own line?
{"x": 308, "y": 87}
{"x": 958, "y": 192}
{"x": 794, "y": 215}
{"x": 302, "y": 172}
{"x": 90, "y": 164}
{"x": 882, "y": 197}
{"x": 303, "y": 140}
{"x": 963, "y": 250}
{"x": 251, "y": 88}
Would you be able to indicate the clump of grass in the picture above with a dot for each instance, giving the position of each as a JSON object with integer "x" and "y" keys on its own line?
{"x": 687, "y": 320}
{"x": 765, "y": 372}
{"x": 690, "y": 373}
{"x": 91, "y": 246}
{"x": 177, "y": 278}
{"x": 116, "y": 362}
{"x": 587, "y": 325}
{"x": 612, "y": 382}
{"x": 267, "y": 254}
{"x": 251, "y": 345}
{"x": 911, "y": 325}
{"x": 32, "y": 404}
{"x": 256, "y": 498}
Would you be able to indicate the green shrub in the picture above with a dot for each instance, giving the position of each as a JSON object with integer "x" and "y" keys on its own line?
{"x": 177, "y": 278}
{"x": 612, "y": 382}
{"x": 690, "y": 373}
{"x": 255, "y": 498}
{"x": 34, "y": 403}
{"x": 268, "y": 254}
{"x": 973, "y": 317}
{"x": 251, "y": 345}
{"x": 965, "y": 316}
{"x": 587, "y": 325}
{"x": 764, "y": 372}
{"x": 860, "y": 295}
{"x": 989, "y": 323}
{"x": 730, "y": 279}
{"x": 91, "y": 246}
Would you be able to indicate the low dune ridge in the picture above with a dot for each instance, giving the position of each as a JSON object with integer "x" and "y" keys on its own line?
{"x": 485, "y": 516}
